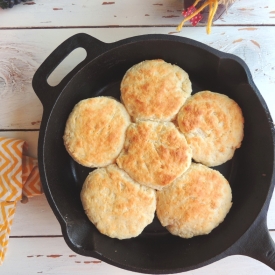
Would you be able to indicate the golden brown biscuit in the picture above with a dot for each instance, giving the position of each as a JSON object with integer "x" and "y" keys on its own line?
{"x": 118, "y": 206}
{"x": 213, "y": 126}
{"x": 154, "y": 153}
{"x": 155, "y": 90}
{"x": 95, "y": 131}
{"x": 195, "y": 203}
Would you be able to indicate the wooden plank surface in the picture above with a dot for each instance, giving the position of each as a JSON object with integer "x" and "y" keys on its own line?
{"x": 69, "y": 13}
{"x": 30, "y": 32}
{"x": 22, "y": 51}
{"x": 52, "y": 256}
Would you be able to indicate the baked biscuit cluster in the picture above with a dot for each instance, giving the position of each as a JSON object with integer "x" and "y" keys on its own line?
{"x": 143, "y": 150}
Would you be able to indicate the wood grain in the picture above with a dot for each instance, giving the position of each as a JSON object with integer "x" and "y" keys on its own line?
{"x": 24, "y": 50}
{"x": 29, "y": 32}
{"x": 68, "y": 13}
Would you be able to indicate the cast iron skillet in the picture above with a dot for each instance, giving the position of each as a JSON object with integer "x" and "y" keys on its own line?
{"x": 250, "y": 172}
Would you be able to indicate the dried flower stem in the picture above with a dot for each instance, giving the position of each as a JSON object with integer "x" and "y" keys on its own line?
{"x": 192, "y": 15}
{"x": 213, "y": 6}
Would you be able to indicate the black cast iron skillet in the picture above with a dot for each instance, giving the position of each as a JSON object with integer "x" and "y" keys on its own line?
{"x": 250, "y": 172}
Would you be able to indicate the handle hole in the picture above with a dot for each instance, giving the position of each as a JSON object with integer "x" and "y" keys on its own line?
{"x": 66, "y": 66}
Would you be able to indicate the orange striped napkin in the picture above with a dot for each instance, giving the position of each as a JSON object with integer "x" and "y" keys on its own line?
{"x": 19, "y": 178}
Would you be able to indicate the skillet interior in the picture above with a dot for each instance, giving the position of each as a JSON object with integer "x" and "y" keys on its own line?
{"x": 249, "y": 172}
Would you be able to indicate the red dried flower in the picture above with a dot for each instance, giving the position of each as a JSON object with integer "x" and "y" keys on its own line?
{"x": 194, "y": 20}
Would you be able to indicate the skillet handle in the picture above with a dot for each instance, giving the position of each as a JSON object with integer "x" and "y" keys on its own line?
{"x": 48, "y": 94}
{"x": 258, "y": 244}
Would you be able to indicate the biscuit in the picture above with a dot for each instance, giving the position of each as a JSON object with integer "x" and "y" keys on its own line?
{"x": 154, "y": 153}
{"x": 118, "y": 206}
{"x": 155, "y": 90}
{"x": 213, "y": 126}
{"x": 195, "y": 203}
{"x": 95, "y": 131}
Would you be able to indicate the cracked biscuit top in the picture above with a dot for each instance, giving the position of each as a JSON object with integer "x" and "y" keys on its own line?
{"x": 154, "y": 153}
{"x": 155, "y": 90}
{"x": 95, "y": 131}
{"x": 117, "y": 205}
{"x": 195, "y": 203}
{"x": 213, "y": 126}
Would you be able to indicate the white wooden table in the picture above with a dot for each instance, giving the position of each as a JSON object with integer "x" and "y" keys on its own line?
{"x": 30, "y": 32}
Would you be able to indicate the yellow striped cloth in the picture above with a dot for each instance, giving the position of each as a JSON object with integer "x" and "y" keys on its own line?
{"x": 19, "y": 178}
